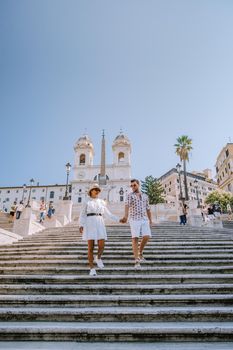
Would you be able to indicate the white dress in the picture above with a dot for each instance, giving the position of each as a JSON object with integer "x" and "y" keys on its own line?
{"x": 93, "y": 226}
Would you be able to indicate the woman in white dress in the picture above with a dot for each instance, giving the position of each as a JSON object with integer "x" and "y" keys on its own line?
{"x": 92, "y": 227}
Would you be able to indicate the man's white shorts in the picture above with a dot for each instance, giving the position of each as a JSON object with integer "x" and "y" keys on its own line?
{"x": 138, "y": 227}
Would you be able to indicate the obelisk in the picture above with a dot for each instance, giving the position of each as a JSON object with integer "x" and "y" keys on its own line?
{"x": 102, "y": 177}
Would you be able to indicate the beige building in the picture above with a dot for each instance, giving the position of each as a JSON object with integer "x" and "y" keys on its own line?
{"x": 224, "y": 168}
{"x": 50, "y": 193}
{"x": 200, "y": 185}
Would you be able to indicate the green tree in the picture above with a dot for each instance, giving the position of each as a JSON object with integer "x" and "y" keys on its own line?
{"x": 183, "y": 148}
{"x": 153, "y": 188}
{"x": 223, "y": 198}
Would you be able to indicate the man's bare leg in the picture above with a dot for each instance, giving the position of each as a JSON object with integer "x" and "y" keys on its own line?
{"x": 144, "y": 241}
{"x": 135, "y": 247}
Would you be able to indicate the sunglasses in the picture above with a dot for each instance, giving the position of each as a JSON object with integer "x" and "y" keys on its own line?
{"x": 134, "y": 185}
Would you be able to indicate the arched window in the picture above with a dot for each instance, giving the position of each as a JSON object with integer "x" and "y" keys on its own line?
{"x": 82, "y": 159}
{"x": 96, "y": 178}
{"x": 51, "y": 195}
{"x": 121, "y": 157}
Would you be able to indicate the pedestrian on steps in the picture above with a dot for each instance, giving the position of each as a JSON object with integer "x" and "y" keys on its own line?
{"x": 42, "y": 211}
{"x": 92, "y": 227}
{"x": 12, "y": 211}
{"x": 51, "y": 210}
{"x": 19, "y": 210}
{"x": 183, "y": 212}
{"x": 138, "y": 210}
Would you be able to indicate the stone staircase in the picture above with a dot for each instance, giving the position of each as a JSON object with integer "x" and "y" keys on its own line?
{"x": 228, "y": 224}
{"x": 184, "y": 292}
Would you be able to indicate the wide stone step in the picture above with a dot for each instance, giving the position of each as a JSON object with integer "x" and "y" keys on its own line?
{"x": 64, "y": 301}
{"x": 125, "y": 258}
{"x": 124, "y": 244}
{"x": 117, "y": 289}
{"x": 127, "y": 235}
{"x": 119, "y": 231}
{"x": 156, "y": 345}
{"x": 112, "y": 247}
{"x": 123, "y": 229}
{"x": 119, "y": 279}
{"x": 118, "y": 314}
{"x": 125, "y": 239}
{"x": 123, "y": 331}
{"x": 111, "y": 253}
{"x": 68, "y": 262}
{"x": 116, "y": 270}
{"x": 150, "y": 257}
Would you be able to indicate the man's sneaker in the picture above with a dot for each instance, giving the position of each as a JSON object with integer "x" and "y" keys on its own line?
{"x": 137, "y": 265}
{"x": 92, "y": 272}
{"x": 141, "y": 259}
{"x": 99, "y": 263}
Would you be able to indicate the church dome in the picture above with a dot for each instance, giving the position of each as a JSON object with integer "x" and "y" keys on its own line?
{"x": 121, "y": 140}
{"x": 84, "y": 142}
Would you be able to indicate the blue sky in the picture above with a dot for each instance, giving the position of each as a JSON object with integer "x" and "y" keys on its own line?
{"x": 158, "y": 69}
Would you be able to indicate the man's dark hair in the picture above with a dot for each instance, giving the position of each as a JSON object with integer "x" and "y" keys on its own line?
{"x": 135, "y": 180}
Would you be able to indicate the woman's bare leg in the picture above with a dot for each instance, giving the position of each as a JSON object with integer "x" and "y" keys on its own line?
{"x": 91, "y": 245}
{"x": 101, "y": 244}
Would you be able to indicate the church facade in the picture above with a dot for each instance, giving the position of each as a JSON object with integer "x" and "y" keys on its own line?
{"x": 114, "y": 179}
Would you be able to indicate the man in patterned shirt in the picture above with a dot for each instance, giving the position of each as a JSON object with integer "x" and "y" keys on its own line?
{"x": 138, "y": 210}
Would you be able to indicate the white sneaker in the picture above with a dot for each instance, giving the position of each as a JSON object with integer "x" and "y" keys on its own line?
{"x": 92, "y": 272}
{"x": 142, "y": 259}
{"x": 137, "y": 265}
{"x": 99, "y": 263}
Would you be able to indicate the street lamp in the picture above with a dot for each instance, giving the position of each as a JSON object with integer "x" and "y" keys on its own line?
{"x": 178, "y": 167}
{"x": 68, "y": 167}
{"x": 29, "y": 196}
{"x": 24, "y": 187}
{"x": 196, "y": 186}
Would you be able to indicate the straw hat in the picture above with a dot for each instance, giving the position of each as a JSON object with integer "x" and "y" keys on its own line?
{"x": 93, "y": 187}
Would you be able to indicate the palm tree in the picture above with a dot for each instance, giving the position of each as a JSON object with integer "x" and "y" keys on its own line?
{"x": 183, "y": 148}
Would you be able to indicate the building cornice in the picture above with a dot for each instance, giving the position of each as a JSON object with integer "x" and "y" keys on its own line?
{"x": 226, "y": 181}
{"x": 191, "y": 175}
{"x": 40, "y": 186}
{"x": 222, "y": 151}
